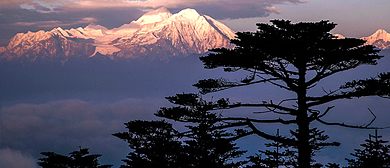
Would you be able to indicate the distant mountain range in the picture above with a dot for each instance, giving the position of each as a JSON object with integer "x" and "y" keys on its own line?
{"x": 157, "y": 35}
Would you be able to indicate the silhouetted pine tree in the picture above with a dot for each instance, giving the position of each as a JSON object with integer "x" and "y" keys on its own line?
{"x": 295, "y": 57}
{"x": 374, "y": 155}
{"x": 76, "y": 159}
{"x": 281, "y": 155}
{"x": 286, "y": 155}
{"x": 158, "y": 144}
{"x": 154, "y": 144}
{"x": 209, "y": 147}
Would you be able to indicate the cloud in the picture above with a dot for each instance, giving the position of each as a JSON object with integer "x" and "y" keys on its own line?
{"x": 10, "y": 158}
{"x": 168, "y": 3}
{"x": 219, "y": 9}
{"x": 15, "y": 20}
{"x": 42, "y": 6}
{"x": 273, "y": 9}
{"x": 62, "y": 126}
{"x": 33, "y": 15}
{"x": 227, "y": 9}
{"x": 73, "y": 115}
{"x": 56, "y": 23}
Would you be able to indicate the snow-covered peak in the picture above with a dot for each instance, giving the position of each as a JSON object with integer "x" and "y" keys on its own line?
{"x": 154, "y": 16}
{"x": 381, "y": 34}
{"x": 380, "y": 39}
{"x": 96, "y": 27}
{"x": 59, "y": 31}
{"x": 159, "y": 10}
{"x": 190, "y": 14}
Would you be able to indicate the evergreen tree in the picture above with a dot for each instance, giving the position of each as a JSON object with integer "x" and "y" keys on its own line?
{"x": 281, "y": 155}
{"x": 208, "y": 147}
{"x": 154, "y": 144}
{"x": 374, "y": 155}
{"x": 285, "y": 155}
{"x": 76, "y": 159}
{"x": 158, "y": 144}
{"x": 294, "y": 57}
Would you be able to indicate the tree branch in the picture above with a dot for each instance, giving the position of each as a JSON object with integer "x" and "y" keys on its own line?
{"x": 290, "y": 110}
{"x": 279, "y": 120}
{"x": 280, "y": 139}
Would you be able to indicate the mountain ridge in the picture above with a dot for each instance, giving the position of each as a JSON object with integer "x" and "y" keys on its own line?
{"x": 157, "y": 34}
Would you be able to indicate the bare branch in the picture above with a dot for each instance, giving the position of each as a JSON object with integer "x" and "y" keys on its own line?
{"x": 350, "y": 126}
{"x": 215, "y": 85}
{"x": 286, "y": 141}
{"x": 279, "y": 120}
{"x": 269, "y": 109}
{"x": 372, "y": 119}
{"x": 326, "y": 111}
{"x": 346, "y": 125}
{"x": 289, "y": 110}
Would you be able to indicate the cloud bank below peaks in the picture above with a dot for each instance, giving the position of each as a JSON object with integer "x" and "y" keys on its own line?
{"x": 219, "y": 9}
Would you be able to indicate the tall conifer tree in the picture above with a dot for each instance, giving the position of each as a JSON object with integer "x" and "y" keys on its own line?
{"x": 294, "y": 57}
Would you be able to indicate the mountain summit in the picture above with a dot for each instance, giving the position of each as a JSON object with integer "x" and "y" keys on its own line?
{"x": 380, "y": 39}
{"x": 157, "y": 34}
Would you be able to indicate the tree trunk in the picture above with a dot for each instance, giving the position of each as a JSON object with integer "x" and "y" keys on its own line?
{"x": 304, "y": 151}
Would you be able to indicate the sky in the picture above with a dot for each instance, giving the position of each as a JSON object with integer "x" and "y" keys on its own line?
{"x": 51, "y": 118}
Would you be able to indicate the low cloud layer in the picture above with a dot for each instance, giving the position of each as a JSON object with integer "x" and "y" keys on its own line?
{"x": 62, "y": 126}
{"x": 10, "y": 158}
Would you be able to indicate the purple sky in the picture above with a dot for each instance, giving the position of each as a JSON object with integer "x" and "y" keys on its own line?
{"x": 356, "y": 18}
{"x": 36, "y": 126}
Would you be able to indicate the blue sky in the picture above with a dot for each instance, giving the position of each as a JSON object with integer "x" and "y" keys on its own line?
{"x": 34, "y": 122}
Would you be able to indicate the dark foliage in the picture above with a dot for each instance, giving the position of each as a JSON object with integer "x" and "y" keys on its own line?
{"x": 281, "y": 155}
{"x": 158, "y": 144}
{"x": 285, "y": 155}
{"x": 283, "y": 54}
{"x": 207, "y": 147}
{"x": 375, "y": 154}
{"x": 154, "y": 144}
{"x": 76, "y": 159}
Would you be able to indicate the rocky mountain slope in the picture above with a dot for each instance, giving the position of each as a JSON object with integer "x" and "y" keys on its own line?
{"x": 380, "y": 39}
{"x": 155, "y": 35}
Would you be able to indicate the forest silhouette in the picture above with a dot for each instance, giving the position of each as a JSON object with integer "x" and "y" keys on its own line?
{"x": 294, "y": 57}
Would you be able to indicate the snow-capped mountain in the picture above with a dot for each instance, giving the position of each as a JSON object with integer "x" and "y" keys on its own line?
{"x": 182, "y": 33}
{"x": 41, "y": 45}
{"x": 380, "y": 39}
{"x": 155, "y": 35}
